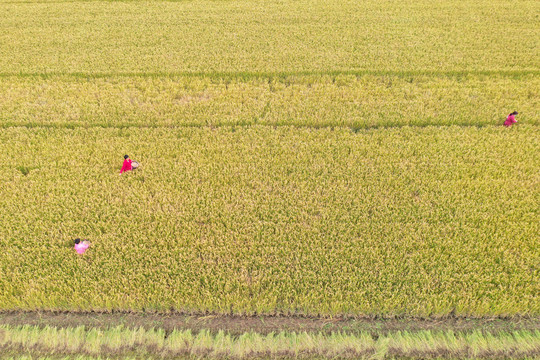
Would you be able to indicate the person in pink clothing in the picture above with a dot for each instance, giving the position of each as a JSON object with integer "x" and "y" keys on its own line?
{"x": 511, "y": 119}
{"x": 127, "y": 164}
{"x": 81, "y": 246}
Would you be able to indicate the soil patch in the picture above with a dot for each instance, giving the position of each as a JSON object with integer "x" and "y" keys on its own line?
{"x": 264, "y": 324}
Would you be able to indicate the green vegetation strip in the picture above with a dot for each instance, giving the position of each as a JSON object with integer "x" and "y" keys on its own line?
{"x": 257, "y": 220}
{"x": 156, "y": 343}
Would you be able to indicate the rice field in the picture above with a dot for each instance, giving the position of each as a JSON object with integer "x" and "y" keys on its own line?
{"x": 419, "y": 221}
{"x": 268, "y": 36}
{"x": 358, "y": 101}
{"x": 315, "y": 158}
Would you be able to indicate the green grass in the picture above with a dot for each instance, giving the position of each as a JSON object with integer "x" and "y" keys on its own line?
{"x": 419, "y": 221}
{"x": 122, "y": 342}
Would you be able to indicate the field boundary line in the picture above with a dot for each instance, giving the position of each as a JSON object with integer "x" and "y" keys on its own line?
{"x": 248, "y": 75}
{"x": 266, "y": 323}
{"x": 352, "y": 128}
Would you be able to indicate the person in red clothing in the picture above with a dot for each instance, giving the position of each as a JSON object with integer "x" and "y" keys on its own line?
{"x": 127, "y": 164}
{"x": 511, "y": 119}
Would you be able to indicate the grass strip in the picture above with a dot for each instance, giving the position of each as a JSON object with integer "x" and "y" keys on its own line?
{"x": 157, "y": 343}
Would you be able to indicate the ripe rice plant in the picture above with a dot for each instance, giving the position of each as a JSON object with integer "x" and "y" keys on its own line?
{"x": 363, "y": 101}
{"x": 417, "y": 221}
{"x": 298, "y": 157}
{"x": 110, "y": 37}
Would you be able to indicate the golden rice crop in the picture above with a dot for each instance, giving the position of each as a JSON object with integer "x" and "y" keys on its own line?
{"x": 412, "y": 220}
{"x": 343, "y": 100}
{"x": 267, "y": 184}
{"x": 268, "y": 36}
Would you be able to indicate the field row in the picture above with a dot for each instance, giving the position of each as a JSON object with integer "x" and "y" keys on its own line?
{"x": 419, "y": 221}
{"x": 314, "y": 101}
{"x": 155, "y": 343}
{"x": 306, "y": 35}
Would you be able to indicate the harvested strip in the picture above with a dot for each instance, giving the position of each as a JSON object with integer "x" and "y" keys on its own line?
{"x": 156, "y": 343}
{"x": 237, "y": 325}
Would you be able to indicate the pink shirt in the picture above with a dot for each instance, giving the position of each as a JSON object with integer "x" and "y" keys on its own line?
{"x": 81, "y": 247}
{"x": 126, "y": 166}
{"x": 510, "y": 120}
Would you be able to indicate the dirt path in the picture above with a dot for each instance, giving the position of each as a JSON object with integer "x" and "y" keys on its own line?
{"x": 263, "y": 324}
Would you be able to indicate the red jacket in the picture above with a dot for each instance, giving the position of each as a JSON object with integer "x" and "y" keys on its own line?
{"x": 126, "y": 166}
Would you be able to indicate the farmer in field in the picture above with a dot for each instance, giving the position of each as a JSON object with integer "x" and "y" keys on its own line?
{"x": 511, "y": 119}
{"x": 127, "y": 164}
{"x": 81, "y": 246}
